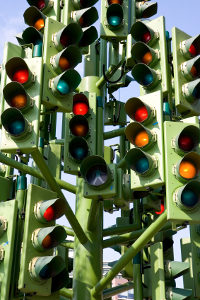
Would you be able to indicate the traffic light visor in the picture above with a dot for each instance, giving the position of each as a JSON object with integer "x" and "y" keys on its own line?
{"x": 17, "y": 70}
{"x": 16, "y": 96}
{"x": 142, "y": 33}
{"x": 142, "y": 53}
{"x": 34, "y": 17}
{"x": 145, "y": 9}
{"x": 138, "y": 111}
{"x": 138, "y": 135}
{"x": 145, "y": 76}
{"x": 187, "y": 140}
{"x": 69, "y": 35}
{"x": 66, "y": 82}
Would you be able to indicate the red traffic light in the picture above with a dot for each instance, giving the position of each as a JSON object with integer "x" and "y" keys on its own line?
{"x": 80, "y": 104}
{"x": 141, "y": 114}
{"x": 21, "y": 75}
{"x": 49, "y": 214}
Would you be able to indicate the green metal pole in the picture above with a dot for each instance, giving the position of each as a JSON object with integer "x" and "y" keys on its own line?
{"x": 119, "y": 230}
{"x": 130, "y": 253}
{"x": 66, "y": 293}
{"x": 69, "y": 231}
{"x": 87, "y": 269}
{"x": 127, "y": 237}
{"x": 33, "y": 172}
{"x": 137, "y": 277}
{"x": 39, "y": 160}
{"x": 117, "y": 289}
{"x": 114, "y": 133}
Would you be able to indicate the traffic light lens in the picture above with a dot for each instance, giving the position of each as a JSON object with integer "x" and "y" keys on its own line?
{"x": 80, "y": 108}
{"x": 141, "y": 139}
{"x": 187, "y": 170}
{"x": 162, "y": 208}
{"x": 142, "y": 165}
{"x": 19, "y": 101}
{"x": 45, "y": 272}
{"x": 21, "y": 76}
{"x": 193, "y": 50}
{"x": 185, "y": 143}
{"x": 63, "y": 87}
{"x": 78, "y": 148}
{"x": 49, "y": 214}
{"x": 114, "y": 20}
{"x": 79, "y": 153}
{"x": 115, "y": 2}
{"x": 81, "y": 21}
{"x": 41, "y": 4}
{"x": 97, "y": 175}
{"x": 147, "y": 58}
{"x": 193, "y": 71}
{"x": 146, "y": 37}
{"x": 47, "y": 242}
{"x": 141, "y": 114}
{"x": 148, "y": 79}
{"x": 196, "y": 93}
{"x": 64, "y": 40}
{"x": 16, "y": 127}
{"x": 64, "y": 63}
{"x": 189, "y": 198}
{"x": 39, "y": 24}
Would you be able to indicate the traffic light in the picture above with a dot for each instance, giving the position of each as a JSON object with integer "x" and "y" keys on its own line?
{"x": 145, "y": 9}
{"x": 49, "y": 8}
{"x": 61, "y": 54}
{"x": 35, "y": 18}
{"x": 8, "y": 219}
{"x": 182, "y": 165}
{"x": 149, "y": 52}
{"x": 100, "y": 178}
{"x": 32, "y": 36}
{"x": 22, "y": 94}
{"x": 186, "y": 64}
{"x": 42, "y": 272}
{"x": 145, "y": 133}
{"x": 114, "y": 20}
{"x": 80, "y": 131}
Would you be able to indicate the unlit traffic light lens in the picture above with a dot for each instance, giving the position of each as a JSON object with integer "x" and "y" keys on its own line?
{"x": 147, "y": 79}
{"x": 64, "y": 63}
{"x": 147, "y": 58}
{"x": 97, "y": 175}
{"x": 189, "y": 198}
{"x": 142, "y": 165}
{"x": 185, "y": 143}
{"x": 146, "y": 37}
{"x": 19, "y": 101}
{"x": 21, "y": 76}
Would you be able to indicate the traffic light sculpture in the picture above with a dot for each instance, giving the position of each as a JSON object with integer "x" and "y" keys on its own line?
{"x": 186, "y": 63}
{"x": 22, "y": 94}
{"x": 61, "y": 55}
{"x": 41, "y": 272}
{"x": 80, "y": 131}
{"x": 182, "y": 165}
{"x": 145, "y": 133}
{"x": 149, "y": 52}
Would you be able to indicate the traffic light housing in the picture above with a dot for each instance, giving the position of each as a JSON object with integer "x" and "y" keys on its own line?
{"x": 49, "y": 8}
{"x": 145, "y": 133}
{"x": 61, "y": 54}
{"x": 80, "y": 131}
{"x": 41, "y": 272}
{"x": 8, "y": 224}
{"x": 22, "y": 100}
{"x": 35, "y": 18}
{"x": 149, "y": 52}
{"x": 114, "y": 20}
{"x": 100, "y": 178}
{"x": 186, "y": 64}
{"x": 84, "y": 14}
{"x": 182, "y": 165}
{"x": 145, "y": 9}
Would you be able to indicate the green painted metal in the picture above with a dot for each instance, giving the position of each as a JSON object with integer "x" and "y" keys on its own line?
{"x": 118, "y": 289}
{"x": 87, "y": 269}
{"x": 131, "y": 252}
{"x": 31, "y": 171}
{"x": 114, "y": 133}
{"x": 8, "y": 219}
{"x": 157, "y": 271}
{"x": 137, "y": 277}
{"x": 39, "y": 160}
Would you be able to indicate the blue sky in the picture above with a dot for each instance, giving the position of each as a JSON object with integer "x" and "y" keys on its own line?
{"x": 183, "y": 14}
